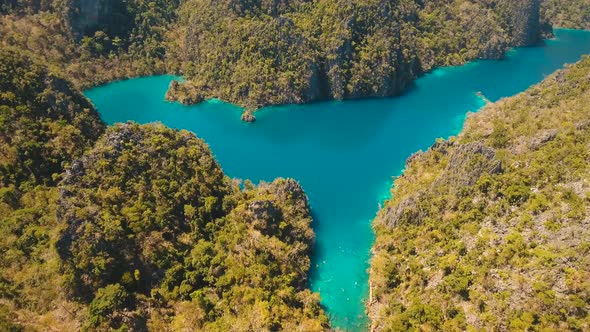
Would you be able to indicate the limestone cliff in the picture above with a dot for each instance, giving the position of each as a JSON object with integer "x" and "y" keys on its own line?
{"x": 87, "y": 15}
{"x": 272, "y": 52}
{"x": 523, "y": 21}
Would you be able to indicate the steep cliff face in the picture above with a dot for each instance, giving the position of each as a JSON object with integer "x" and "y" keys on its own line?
{"x": 88, "y": 13}
{"x": 274, "y": 52}
{"x": 110, "y": 16}
{"x": 258, "y": 53}
{"x": 490, "y": 230}
{"x": 523, "y": 20}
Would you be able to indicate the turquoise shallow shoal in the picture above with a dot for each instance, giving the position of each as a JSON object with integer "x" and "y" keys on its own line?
{"x": 343, "y": 153}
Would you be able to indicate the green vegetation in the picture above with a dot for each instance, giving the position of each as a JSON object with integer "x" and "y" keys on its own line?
{"x": 44, "y": 125}
{"x": 266, "y": 52}
{"x": 91, "y": 42}
{"x": 180, "y": 239}
{"x": 53, "y": 122}
{"x": 489, "y": 230}
{"x": 573, "y": 14}
{"x": 138, "y": 229}
{"x": 258, "y": 53}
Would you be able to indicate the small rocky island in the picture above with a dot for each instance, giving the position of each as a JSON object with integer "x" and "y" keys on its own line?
{"x": 247, "y": 116}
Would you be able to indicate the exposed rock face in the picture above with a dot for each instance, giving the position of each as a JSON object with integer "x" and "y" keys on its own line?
{"x": 266, "y": 214}
{"x": 406, "y": 211}
{"x": 467, "y": 164}
{"x": 543, "y": 138}
{"x": 87, "y": 14}
{"x": 299, "y": 51}
{"x": 523, "y": 20}
{"x": 290, "y": 192}
{"x": 334, "y": 69}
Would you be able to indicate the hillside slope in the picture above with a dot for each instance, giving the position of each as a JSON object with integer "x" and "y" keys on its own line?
{"x": 91, "y": 42}
{"x": 260, "y": 53}
{"x": 157, "y": 237}
{"x": 571, "y": 14}
{"x": 44, "y": 124}
{"x": 135, "y": 227}
{"x": 490, "y": 229}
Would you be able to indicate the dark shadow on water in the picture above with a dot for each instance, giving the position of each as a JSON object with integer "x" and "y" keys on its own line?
{"x": 315, "y": 252}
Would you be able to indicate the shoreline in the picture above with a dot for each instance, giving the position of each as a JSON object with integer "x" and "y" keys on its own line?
{"x": 247, "y": 109}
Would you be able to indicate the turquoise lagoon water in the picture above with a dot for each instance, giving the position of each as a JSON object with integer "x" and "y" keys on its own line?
{"x": 343, "y": 153}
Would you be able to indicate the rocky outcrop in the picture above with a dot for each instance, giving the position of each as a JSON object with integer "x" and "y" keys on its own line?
{"x": 247, "y": 116}
{"x": 184, "y": 93}
{"x": 406, "y": 211}
{"x": 467, "y": 163}
{"x": 265, "y": 214}
{"x": 290, "y": 192}
{"x": 543, "y": 138}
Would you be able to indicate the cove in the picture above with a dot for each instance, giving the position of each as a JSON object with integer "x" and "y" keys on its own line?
{"x": 343, "y": 153}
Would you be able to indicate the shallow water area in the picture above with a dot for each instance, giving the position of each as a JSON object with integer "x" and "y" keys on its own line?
{"x": 343, "y": 153}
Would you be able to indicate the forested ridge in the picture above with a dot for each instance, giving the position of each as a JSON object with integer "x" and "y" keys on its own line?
{"x": 135, "y": 227}
{"x": 257, "y": 53}
{"x": 261, "y": 53}
{"x": 489, "y": 230}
